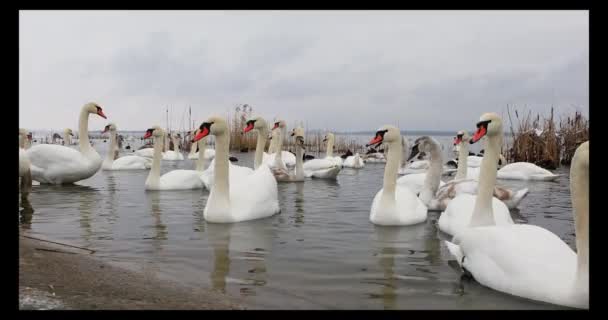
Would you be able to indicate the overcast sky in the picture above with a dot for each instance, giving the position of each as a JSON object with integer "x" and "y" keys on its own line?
{"x": 337, "y": 70}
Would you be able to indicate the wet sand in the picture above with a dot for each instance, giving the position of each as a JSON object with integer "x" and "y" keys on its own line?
{"x": 54, "y": 276}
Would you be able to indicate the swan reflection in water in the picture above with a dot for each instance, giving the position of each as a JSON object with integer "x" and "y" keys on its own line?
{"x": 26, "y": 213}
{"x": 239, "y": 254}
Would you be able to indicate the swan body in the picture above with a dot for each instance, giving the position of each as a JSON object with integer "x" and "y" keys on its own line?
{"x": 470, "y": 184}
{"x": 236, "y": 174}
{"x": 282, "y": 174}
{"x": 56, "y": 164}
{"x": 530, "y": 261}
{"x": 415, "y": 182}
{"x": 325, "y": 168}
{"x": 525, "y": 171}
{"x": 130, "y": 162}
{"x": 354, "y": 162}
{"x": 466, "y": 210}
{"x": 394, "y": 204}
{"x": 255, "y": 196}
{"x": 171, "y": 155}
{"x": 146, "y": 152}
{"x": 209, "y": 155}
{"x": 172, "y": 180}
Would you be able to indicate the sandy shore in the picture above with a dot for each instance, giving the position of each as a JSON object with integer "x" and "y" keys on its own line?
{"x": 58, "y": 277}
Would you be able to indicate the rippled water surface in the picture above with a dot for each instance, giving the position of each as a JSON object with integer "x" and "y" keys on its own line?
{"x": 320, "y": 252}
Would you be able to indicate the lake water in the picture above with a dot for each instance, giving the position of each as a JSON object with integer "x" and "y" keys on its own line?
{"x": 320, "y": 252}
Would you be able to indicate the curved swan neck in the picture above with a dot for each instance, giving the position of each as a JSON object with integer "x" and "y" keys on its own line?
{"x": 391, "y": 168}
{"x": 579, "y": 186}
{"x": 433, "y": 175}
{"x": 259, "y": 147}
{"x": 482, "y": 212}
{"x": 330, "y": 146}
{"x": 463, "y": 157}
{"x": 83, "y": 131}
{"x": 153, "y": 180}
{"x": 22, "y": 141}
{"x": 165, "y": 144}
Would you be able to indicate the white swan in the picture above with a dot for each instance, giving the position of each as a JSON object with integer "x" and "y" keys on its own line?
{"x": 354, "y": 161}
{"x": 172, "y": 180}
{"x": 130, "y": 162}
{"x": 467, "y": 210}
{"x": 67, "y": 136}
{"x": 254, "y": 197}
{"x": 298, "y": 174}
{"x": 326, "y": 168}
{"x": 530, "y": 261}
{"x": 172, "y": 155}
{"x": 394, "y": 204}
{"x": 279, "y": 160}
{"x": 525, "y": 171}
{"x": 195, "y": 151}
{"x": 56, "y": 164}
{"x": 467, "y": 185}
{"x": 24, "y": 164}
{"x": 146, "y": 152}
{"x": 425, "y": 185}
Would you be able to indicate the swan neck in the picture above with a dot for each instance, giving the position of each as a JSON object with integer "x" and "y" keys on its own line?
{"x": 153, "y": 180}
{"x": 22, "y": 141}
{"x": 165, "y": 144}
{"x": 330, "y": 147}
{"x": 113, "y": 147}
{"x": 83, "y": 131}
{"x": 579, "y": 186}
{"x": 482, "y": 212}
{"x": 201, "y": 145}
{"x": 259, "y": 147}
{"x": 299, "y": 162}
{"x": 221, "y": 184}
{"x": 433, "y": 175}
{"x": 392, "y": 167}
{"x": 463, "y": 159}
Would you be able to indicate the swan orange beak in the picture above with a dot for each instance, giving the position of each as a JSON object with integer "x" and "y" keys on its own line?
{"x": 479, "y": 134}
{"x": 276, "y": 125}
{"x": 100, "y": 113}
{"x": 248, "y": 128}
{"x": 201, "y": 134}
{"x": 457, "y": 140}
{"x": 148, "y": 133}
{"x": 375, "y": 140}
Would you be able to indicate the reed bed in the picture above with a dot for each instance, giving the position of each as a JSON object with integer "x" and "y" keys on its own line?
{"x": 538, "y": 140}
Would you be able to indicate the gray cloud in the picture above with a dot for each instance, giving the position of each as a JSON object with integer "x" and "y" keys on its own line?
{"x": 344, "y": 71}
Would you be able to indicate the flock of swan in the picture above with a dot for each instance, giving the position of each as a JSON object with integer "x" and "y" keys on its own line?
{"x": 519, "y": 259}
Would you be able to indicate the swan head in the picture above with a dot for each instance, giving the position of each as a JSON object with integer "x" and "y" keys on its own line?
{"x": 68, "y": 132}
{"x": 461, "y": 136}
{"x": 215, "y": 125}
{"x": 22, "y": 132}
{"x": 490, "y": 124}
{"x": 257, "y": 123}
{"x": 93, "y": 107}
{"x": 279, "y": 124}
{"x": 155, "y": 131}
{"x": 386, "y": 134}
{"x": 329, "y": 136}
{"x": 109, "y": 127}
{"x": 424, "y": 145}
{"x": 298, "y": 133}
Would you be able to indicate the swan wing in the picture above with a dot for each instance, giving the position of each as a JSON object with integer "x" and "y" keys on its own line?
{"x": 458, "y": 213}
{"x": 522, "y": 260}
{"x": 58, "y": 164}
{"x": 181, "y": 180}
{"x": 255, "y": 196}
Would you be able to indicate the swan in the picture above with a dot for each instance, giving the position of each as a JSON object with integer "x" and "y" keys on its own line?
{"x": 172, "y": 180}
{"x": 394, "y": 204}
{"x": 24, "y": 164}
{"x": 123, "y": 163}
{"x": 208, "y": 154}
{"x": 326, "y": 168}
{"x": 172, "y": 155}
{"x": 525, "y": 171}
{"x": 298, "y": 175}
{"x": 56, "y": 164}
{"x": 255, "y": 196}
{"x": 462, "y": 183}
{"x": 530, "y": 261}
{"x": 279, "y": 159}
{"x": 329, "y": 154}
{"x": 425, "y": 185}
{"x": 467, "y": 210}
{"x": 354, "y": 162}
{"x": 67, "y": 136}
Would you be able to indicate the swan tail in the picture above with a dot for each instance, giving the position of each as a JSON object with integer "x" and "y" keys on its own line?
{"x": 517, "y": 197}
{"x": 455, "y": 251}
